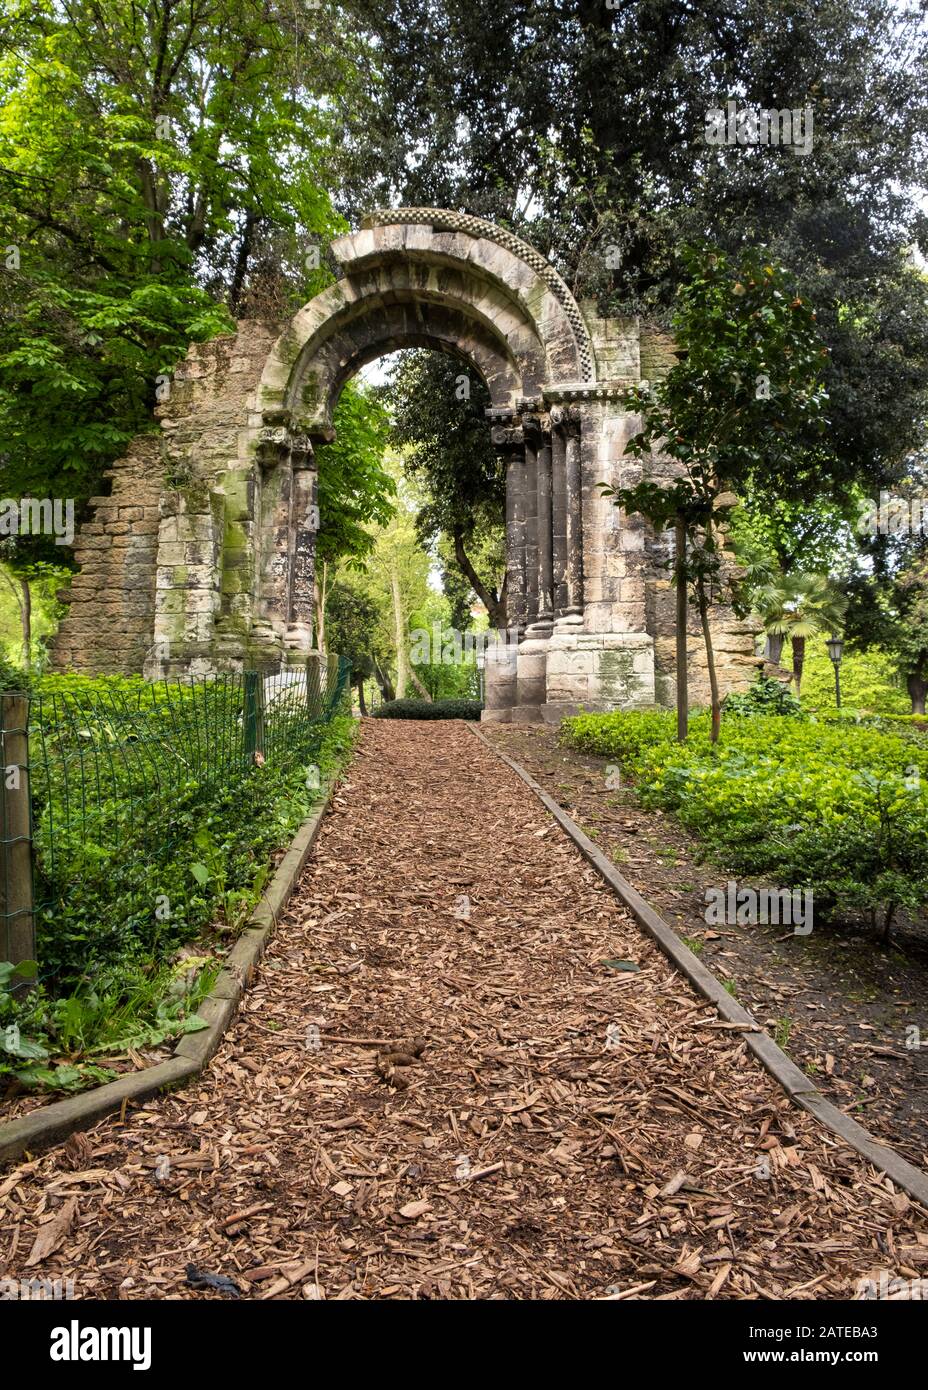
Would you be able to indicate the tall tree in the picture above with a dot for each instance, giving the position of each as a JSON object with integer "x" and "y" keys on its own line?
{"x": 741, "y": 406}
{"x": 581, "y": 125}
{"x": 397, "y": 573}
{"x": 438, "y": 406}
{"x": 888, "y": 588}
{"x": 149, "y": 153}
{"x": 352, "y": 626}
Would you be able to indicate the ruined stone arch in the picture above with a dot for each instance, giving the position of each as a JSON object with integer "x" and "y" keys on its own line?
{"x": 425, "y": 277}
{"x": 417, "y": 277}
{"x": 202, "y": 556}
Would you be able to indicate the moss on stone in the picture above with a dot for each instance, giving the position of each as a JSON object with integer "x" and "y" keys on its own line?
{"x": 663, "y": 689}
{"x": 234, "y": 535}
{"x": 618, "y": 679}
{"x": 194, "y": 497}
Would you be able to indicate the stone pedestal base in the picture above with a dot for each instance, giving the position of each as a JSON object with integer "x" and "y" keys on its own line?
{"x": 298, "y": 642}
{"x": 598, "y": 671}
{"x": 500, "y": 676}
{"x": 548, "y": 678}
{"x": 531, "y": 668}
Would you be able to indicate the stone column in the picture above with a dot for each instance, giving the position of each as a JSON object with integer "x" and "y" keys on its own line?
{"x": 567, "y": 518}
{"x": 532, "y": 653}
{"x": 574, "y": 501}
{"x": 545, "y": 616}
{"x": 559, "y": 512}
{"x": 532, "y": 442}
{"x": 509, "y": 441}
{"x": 304, "y": 523}
{"x": 269, "y": 623}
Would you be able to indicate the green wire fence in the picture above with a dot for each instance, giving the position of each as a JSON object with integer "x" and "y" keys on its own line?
{"x": 97, "y": 769}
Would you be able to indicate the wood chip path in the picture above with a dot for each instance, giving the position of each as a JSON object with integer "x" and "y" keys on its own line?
{"x": 448, "y": 1082}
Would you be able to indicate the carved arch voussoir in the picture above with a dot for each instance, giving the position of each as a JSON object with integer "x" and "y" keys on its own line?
{"x": 428, "y": 277}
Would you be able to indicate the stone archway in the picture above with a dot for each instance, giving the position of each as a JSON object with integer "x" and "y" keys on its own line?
{"x": 210, "y": 560}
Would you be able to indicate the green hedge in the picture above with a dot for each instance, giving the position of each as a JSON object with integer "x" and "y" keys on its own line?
{"x": 148, "y": 894}
{"x": 828, "y": 804}
{"x": 430, "y": 709}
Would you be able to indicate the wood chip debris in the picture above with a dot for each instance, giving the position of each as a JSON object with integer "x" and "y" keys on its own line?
{"x": 565, "y": 1131}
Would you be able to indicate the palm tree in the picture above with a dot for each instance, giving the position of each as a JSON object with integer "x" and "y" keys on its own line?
{"x": 798, "y": 606}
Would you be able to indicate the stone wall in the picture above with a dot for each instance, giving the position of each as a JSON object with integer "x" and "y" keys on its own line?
{"x": 626, "y": 655}
{"x": 171, "y": 551}
{"x": 208, "y": 556}
{"x": 658, "y": 352}
{"x": 111, "y": 600}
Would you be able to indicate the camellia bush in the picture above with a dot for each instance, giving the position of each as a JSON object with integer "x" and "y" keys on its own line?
{"x": 829, "y": 804}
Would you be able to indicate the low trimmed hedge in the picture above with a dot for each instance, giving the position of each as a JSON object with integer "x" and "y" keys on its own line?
{"x": 430, "y": 709}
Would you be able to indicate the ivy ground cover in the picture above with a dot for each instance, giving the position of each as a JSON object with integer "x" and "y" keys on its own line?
{"x": 834, "y": 805}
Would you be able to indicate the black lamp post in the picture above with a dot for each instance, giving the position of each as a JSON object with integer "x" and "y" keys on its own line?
{"x": 835, "y": 647}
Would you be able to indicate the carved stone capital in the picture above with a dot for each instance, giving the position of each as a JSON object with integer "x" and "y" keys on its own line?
{"x": 535, "y": 426}
{"x": 507, "y": 437}
{"x": 565, "y": 418}
{"x": 302, "y": 454}
{"x": 277, "y": 441}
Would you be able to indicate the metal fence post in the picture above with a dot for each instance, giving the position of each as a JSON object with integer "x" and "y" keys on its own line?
{"x": 16, "y": 906}
{"x": 254, "y": 715}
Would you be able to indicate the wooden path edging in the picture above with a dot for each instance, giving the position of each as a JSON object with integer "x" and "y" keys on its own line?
{"x": 52, "y": 1123}
{"x": 799, "y": 1087}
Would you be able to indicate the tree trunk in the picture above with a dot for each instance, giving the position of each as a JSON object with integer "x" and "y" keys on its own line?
{"x": 319, "y": 595}
{"x": 683, "y": 697}
{"x": 399, "y": 632}
{"x": 25, "y": 613}
{"x": 775, "y": 647}
{"x": 495, "y": 605}
{"x": 710, "y": 660}
{"x": 362, "y": 707}
{"x": 799, "y": 660}
{"x": 383, "y": 680}
{"x": 418, "y": 684}
{"x": 151, "y": 196}
{"x": 236, "y": 288}
{"x": 917, "y": 686}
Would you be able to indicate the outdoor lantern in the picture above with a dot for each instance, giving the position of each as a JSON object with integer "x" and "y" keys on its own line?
{"x": 835, "y": 648}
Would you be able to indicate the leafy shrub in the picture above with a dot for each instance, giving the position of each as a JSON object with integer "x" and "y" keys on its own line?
{"x": 120, "y": 894}
{"x": 765, "y": 696}
{"x": 430, "y": 709}
{"x": 869, "y": 682}
{"x": 143, "y": 896}
{"x": 125, "y": 1008}
{"x": 617, "y": 736}
{"x": 827, "y": 804}
{"x": 13, "y": 679}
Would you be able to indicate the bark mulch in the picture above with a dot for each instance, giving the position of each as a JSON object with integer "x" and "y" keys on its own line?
{"x": 462, "y": 1073}
{"x": 840, "y": 1002}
